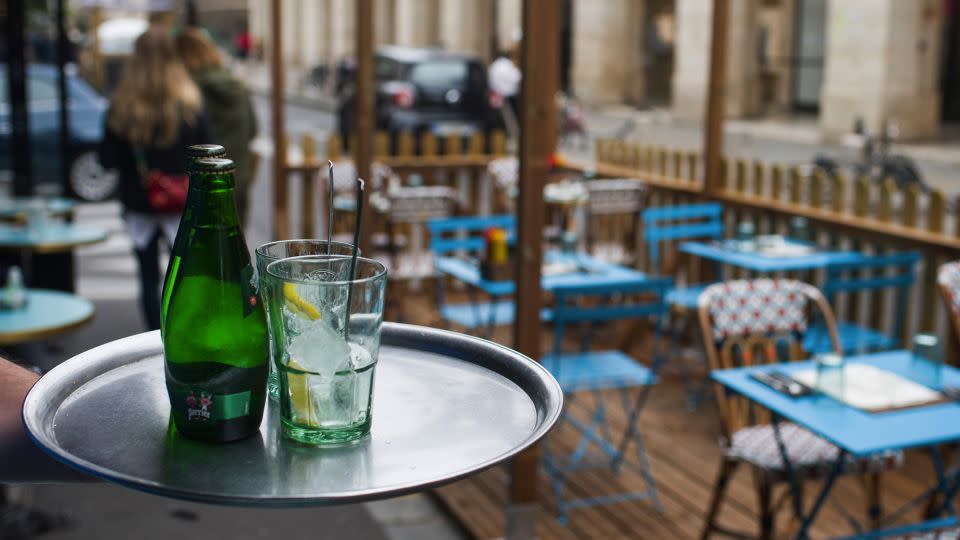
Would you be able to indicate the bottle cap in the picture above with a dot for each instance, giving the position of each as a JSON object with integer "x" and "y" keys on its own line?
{"x": 216, "y": 165}
{"x": 206, "y": 151}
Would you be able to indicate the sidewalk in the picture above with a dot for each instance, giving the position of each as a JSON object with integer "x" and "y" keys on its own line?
{"x": 297, "y": 90}
{"x": 787, "y": 141}
{"x": 798, "y": 129}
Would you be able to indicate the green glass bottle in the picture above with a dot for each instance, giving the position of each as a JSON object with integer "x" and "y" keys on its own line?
{"x": 194, "y": 152}
{"x": 215, "y": 340}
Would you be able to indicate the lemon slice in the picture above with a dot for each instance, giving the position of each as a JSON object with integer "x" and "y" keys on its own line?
{"x": 298, "y": 303}
{"x": 300, "y": 396}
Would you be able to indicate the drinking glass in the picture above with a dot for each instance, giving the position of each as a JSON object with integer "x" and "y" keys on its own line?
{"x": 282, "y": 249}
{"x": 38, "y": 217}
{"x": 569, "y": 242}
{"x": 830, "y": 377}
{"x": 325, "y": 330}
{"x": 799, "y": 229}
{"x": 745, "y": 235}
{"x": 927, "y": 363}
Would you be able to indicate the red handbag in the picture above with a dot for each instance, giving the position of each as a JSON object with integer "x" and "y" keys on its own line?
{"x": 166, "y": 193}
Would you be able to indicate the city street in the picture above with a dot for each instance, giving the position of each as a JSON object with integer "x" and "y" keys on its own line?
{"x": 789, "y": 142}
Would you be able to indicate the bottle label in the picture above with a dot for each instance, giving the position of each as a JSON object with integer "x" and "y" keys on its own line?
{"x": 200, "y": 406}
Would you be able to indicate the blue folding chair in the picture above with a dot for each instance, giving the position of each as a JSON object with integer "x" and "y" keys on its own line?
{"x": 591, "y": 371}
{"x": 458, "y": 237}
{"x": 672, "y": 224}
{"x": 895, "y": 272}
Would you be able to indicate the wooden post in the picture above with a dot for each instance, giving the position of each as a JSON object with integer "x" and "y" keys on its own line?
{"x": 363, "y": 149}
{"x": 363, "y": 143}
{"x": 63, "y": 50}
{"x": 99, "y": 69}
{"x": 716, "y": 97}
{"x": 18, "y": 122}
{"x": 192, "y": 18}
{"x": 540, "y": 67}
{"x": 277, "y": 97}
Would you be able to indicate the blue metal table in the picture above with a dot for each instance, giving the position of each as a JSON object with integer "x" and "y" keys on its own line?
{"x": 585, "y": 270}
{"x": 858, "y": 433}
{"x": 47, "y": 313}
{"x": 726, "y": 252}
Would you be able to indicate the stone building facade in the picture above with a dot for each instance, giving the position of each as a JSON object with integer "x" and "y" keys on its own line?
{"x": 877, "y": 60}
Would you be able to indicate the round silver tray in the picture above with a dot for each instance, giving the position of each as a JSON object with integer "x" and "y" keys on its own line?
{"x": 445, "y": 406}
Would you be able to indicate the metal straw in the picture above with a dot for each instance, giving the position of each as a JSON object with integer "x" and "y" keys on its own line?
{"x": 353, "y": 257}
{"x": 329, "y": 204}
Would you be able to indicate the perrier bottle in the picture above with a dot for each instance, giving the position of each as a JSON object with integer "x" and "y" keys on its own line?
{"x": 194, "y": 152}
{"x": 215, "y": 337}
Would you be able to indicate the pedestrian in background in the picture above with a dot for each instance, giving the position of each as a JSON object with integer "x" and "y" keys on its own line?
{"x": 228, "y": 105}
{"x": 156, "y": 112}
{"x": 345, "y": 91}
{"x": 242, "y": 44}
{"x": 503, "y": 77}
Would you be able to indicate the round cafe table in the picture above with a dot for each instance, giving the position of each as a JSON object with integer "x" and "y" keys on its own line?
{"x": 47, "y": 313}
{"x": 20, "y": 208}
{"x": 50, "y": 237}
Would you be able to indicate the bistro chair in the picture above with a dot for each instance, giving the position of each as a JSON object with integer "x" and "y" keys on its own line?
{"x": 411, "y": 208}
{"x": 888, "y": 272}
{"x": 345, "y": 200}
{"x": 613, "y": 210}
{"x": 948, "y": 279}
{"x": 505, "y": 172}
{"x": 663, "y": 227}
{"x": 752, "y": 322}
{"x": 451, "y": 241}
{"x": 591, "y": 372}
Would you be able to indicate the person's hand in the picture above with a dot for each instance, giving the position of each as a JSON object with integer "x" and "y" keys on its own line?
{"x": 20, "y": 459}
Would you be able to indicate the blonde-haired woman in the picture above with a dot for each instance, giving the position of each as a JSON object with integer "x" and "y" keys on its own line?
{"x": 228, "y": 104}
{"x": 156, "y": 112}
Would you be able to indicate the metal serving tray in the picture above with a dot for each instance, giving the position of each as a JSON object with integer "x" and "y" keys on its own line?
{"x": 446, "y": 405}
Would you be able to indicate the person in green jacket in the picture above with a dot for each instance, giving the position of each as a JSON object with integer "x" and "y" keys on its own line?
{"x": 228, "y": 106}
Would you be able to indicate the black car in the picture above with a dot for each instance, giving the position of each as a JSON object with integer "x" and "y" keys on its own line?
{"x": 429, "y": 90}
{"x": 88, "y": 180}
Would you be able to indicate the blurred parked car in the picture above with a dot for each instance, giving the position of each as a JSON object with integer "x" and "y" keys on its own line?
{"x": 430, "y": 90}
{"x": 88, "y": 180}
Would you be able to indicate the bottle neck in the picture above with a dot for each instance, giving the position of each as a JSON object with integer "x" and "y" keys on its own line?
{"x": 212, "y": 201}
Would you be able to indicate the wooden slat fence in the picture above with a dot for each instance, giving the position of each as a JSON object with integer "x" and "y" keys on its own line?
{"x": 846, "y": 213}
{"x": 453, "y": 160}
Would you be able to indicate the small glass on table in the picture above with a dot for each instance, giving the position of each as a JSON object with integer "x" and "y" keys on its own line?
{"x": 325, "y": 336}
{"x": 927, "y": 363}
{"x": 282, "y": 249}
{"x": 799, "y": 229}
{"x": 746, "y": 236}
{"x": 830, "y": 374}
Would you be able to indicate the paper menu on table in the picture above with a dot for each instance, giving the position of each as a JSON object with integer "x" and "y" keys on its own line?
{"x": 874, "y": 389}
{"x": 778, "y": 246}
{"x": 559, "y": 267}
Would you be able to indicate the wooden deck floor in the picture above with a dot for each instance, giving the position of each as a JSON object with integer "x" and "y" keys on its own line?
{"x": 684, "y": 456}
